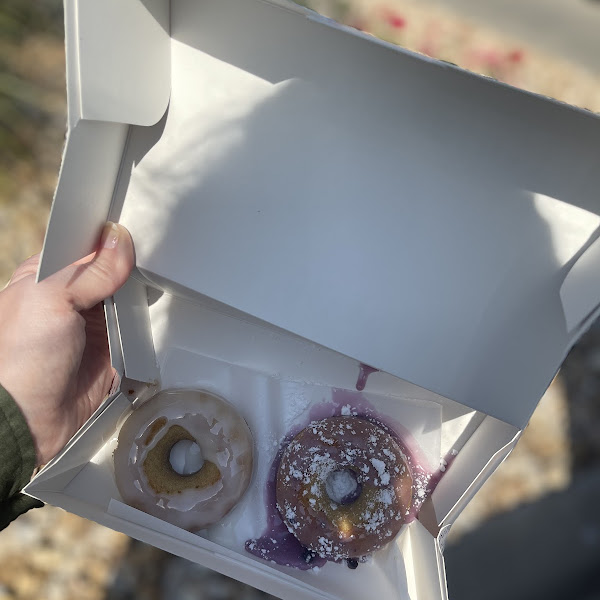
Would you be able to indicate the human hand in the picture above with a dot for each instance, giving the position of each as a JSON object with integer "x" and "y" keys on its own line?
{"x": 54, "y": 358}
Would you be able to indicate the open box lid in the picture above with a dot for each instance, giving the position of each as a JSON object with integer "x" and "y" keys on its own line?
{"x": 432, "y": 223}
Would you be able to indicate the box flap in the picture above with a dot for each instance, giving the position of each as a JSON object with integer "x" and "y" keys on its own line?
{"x": 581, "y": 289}
{"x": 135, "y": 332}
{"x": 118, "y": 60}
{"x": 402, "y": 212}
{"x": 84, "y": 193}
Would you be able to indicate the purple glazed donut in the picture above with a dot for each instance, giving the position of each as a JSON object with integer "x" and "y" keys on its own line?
{"x": 344, "y": 487}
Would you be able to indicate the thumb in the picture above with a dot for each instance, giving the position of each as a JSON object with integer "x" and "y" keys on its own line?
{"x": 91, "y": 282}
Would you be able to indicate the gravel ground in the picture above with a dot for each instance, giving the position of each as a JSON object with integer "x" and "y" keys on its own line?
{"x": 51, "y": 554}
{"x": 150, "y": 574}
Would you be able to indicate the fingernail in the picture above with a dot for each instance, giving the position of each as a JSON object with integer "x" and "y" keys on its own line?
{"x": 110, "y": 236}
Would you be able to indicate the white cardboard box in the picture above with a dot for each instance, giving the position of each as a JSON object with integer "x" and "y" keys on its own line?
{"x": 304, "y": 198}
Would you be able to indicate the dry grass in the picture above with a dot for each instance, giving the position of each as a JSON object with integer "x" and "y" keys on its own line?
{"x": 28, "y": 173}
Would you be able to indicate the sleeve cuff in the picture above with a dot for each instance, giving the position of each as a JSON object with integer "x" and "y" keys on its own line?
{"x": 17, "y": 460}
{"x": 15, "y": 507}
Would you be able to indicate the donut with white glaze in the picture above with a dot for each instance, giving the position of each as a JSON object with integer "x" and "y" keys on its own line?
{"x": 184, "y": 456}
{"x": 344, "y": 487}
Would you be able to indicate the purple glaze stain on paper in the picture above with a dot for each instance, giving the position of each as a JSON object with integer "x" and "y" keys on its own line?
{"x": 277, "y": 544}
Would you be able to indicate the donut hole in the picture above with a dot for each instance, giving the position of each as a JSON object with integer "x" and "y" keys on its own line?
{"x": 343, "y": 487}
{"x": 186, "y": 457}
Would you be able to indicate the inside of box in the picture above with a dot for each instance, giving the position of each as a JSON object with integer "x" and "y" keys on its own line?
{"x": 416, "y": 218}
{"x": 274, "y": 379}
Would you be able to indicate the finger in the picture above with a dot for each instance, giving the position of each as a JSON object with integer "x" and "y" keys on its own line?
{"x": 91, "y": 282}
{"x": 27, "y": 268}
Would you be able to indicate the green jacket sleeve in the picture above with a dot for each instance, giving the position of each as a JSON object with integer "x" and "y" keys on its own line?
{"x": 17, "y": 461}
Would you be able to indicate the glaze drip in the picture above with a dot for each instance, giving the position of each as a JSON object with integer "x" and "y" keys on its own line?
{"x": 363, "y": 376}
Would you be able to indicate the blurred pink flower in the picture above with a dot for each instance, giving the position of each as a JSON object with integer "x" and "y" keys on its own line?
{"x": 516, "y": 56}
{"x": 393, "y": 18}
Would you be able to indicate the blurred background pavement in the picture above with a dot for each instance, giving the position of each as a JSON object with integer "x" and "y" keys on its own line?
{"x": 533, "y": 531}
{"x": 567, "y": 28}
